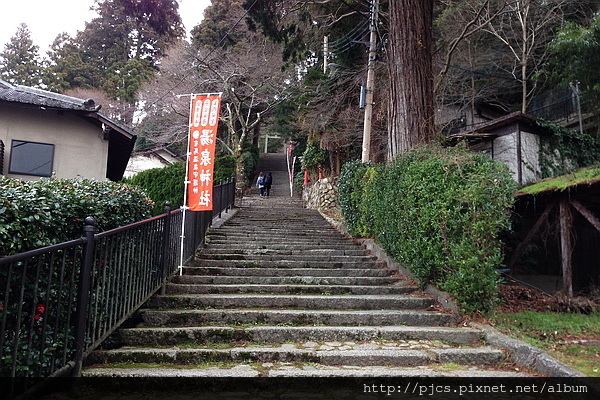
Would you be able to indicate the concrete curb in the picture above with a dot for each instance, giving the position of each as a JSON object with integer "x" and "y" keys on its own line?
{"x": 520, "y": 352}
{"x": 225, "y": 216}
{"x": 526, "y": 355}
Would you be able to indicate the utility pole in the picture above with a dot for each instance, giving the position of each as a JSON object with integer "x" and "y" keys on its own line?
{"x": 325, "y": 53}
{"x": 366, "y": 147}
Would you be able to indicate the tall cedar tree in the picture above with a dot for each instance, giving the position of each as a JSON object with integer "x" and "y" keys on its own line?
{"x": 118, "y": 50}
{"x": 411, "y": 76}
{"x": 19, "y": 62}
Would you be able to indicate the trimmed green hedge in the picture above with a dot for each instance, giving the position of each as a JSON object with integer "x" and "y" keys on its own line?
{"x": 162, "y": 185}
{"x": 49, "y": 211}
{"x": 439, "y": 212}
{"x": 166, "y": 184}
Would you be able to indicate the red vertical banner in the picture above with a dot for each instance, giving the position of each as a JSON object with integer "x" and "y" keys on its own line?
{"x": 204, "y": 121}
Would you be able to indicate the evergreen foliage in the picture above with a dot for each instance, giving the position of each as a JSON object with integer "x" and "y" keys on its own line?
{"x": 66, "y": 67}
{"x": 249, "y": 163}
{"x": 580, "y": 45}
{"x": 162, "y": 185}
{"x": 314, "y": 156}
{"x": 167, "y": 184}
{"x": 118, "y": 50}
{"x": 41, "y": 213}
{"x": 19, "y": 62}
{"x": 216, "y": 27}
{"x": 437, "y": 211}
{"x": 565, "y": 150}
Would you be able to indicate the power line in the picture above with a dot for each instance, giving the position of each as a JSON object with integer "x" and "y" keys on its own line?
{"x": 476, "y": 72}
{"x": 349, "y": 39}
{"x": 367, "y": 17}
{"x": 357, "y": 29}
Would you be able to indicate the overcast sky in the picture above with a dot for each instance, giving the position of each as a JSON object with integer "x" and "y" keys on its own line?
{"x": 47, "y": 18}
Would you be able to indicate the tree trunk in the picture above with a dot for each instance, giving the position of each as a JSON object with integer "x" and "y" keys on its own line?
{"x": 411, "y": 76}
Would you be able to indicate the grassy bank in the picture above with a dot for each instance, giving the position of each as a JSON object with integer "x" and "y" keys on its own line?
{"x": 571, "y": 338}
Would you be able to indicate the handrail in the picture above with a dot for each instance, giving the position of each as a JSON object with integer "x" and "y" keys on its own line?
{"x": 58, "y": 303}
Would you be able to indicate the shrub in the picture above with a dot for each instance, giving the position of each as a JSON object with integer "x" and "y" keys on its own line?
{"x": 439, "y": 212}
{"x": 314, "y": 156}
{"x": 351, "y": 190}
{"x": 224, "y": 168}
{"x": 41, "y": 213}
{"x": 249, "y": 163}
{"x": 162, "y": 185}
{"x": 167, "y": 184}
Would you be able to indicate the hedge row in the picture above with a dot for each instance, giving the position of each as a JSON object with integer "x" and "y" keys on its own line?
{"x": 49, "y": 211}
{"x": 166, "y": 184}
{"x": 439, "y": 212}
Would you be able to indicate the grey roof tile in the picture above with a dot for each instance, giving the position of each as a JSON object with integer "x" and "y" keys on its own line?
{"x": 44, "y": 98}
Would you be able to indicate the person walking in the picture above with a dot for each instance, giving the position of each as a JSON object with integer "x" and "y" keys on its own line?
{"x": 260, "y": 184}
{"x": 268, "y": 183}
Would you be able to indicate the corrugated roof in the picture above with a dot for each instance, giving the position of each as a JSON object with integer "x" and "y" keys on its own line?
{"x": 43, "y": 98}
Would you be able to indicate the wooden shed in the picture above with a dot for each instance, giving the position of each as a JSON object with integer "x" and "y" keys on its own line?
{"x": 559, "y": 220}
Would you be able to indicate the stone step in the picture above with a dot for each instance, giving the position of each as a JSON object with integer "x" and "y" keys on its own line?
{"x": 315, "y": 272}
{"x": 349, "y": 263}
{"x": 279, "y": 213}
{"x": 289, "y": 289}
{"x": 289, "y": 353}
{"x": 288, "y": 257}
{"x": 288, "y": 232}
{"x": 284, "y": 280}
{"x": 294, "y": 385}
{"x": 220, "y": 251}
{"x": 277, "y": 291}
{"x": 302, "y": 228}
{"x": 234, "y": 317}
{"x": 281, "y": 301}
{"x": 228, "y": 247}
{"x": 268, "y": 223}
{"x": 404, "y": 336}
{"x": 266, "y": 242}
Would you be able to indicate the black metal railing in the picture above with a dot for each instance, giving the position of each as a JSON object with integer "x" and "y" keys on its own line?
{"x": 1, "y": 157}
{"x": 58, "y": 303}
{"x": 559, "y": 105}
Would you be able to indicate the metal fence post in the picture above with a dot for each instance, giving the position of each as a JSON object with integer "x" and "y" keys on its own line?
{"x": 234, "y": 181}
{"x": 83, "y": 294}
{"x": 165, "y": 247}
{"x": 232, "y": 193}
{"x": 220, "y": 198}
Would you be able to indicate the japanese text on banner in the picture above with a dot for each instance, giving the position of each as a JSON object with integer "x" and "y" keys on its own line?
{"x": 204, "y": 121}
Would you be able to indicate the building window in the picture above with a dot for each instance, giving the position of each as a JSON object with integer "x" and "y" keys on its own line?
{"x": 31, "y": 158}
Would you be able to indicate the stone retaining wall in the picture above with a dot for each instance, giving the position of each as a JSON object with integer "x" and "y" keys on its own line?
{"x": 322, "y": 194}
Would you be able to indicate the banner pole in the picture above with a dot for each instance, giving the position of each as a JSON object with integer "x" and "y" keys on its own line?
{"x": 186, "y": 182}
{"x": 288, "y": 152}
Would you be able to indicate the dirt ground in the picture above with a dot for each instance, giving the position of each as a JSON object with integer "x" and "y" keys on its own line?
{"x": 516, "y": 298}
{"x": 520, "y": 298}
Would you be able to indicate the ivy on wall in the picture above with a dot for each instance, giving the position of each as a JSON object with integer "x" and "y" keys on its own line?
{"x": 565, "y": 150}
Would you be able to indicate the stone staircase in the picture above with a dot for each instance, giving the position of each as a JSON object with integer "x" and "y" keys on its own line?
{"x": 278, "y": 292}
